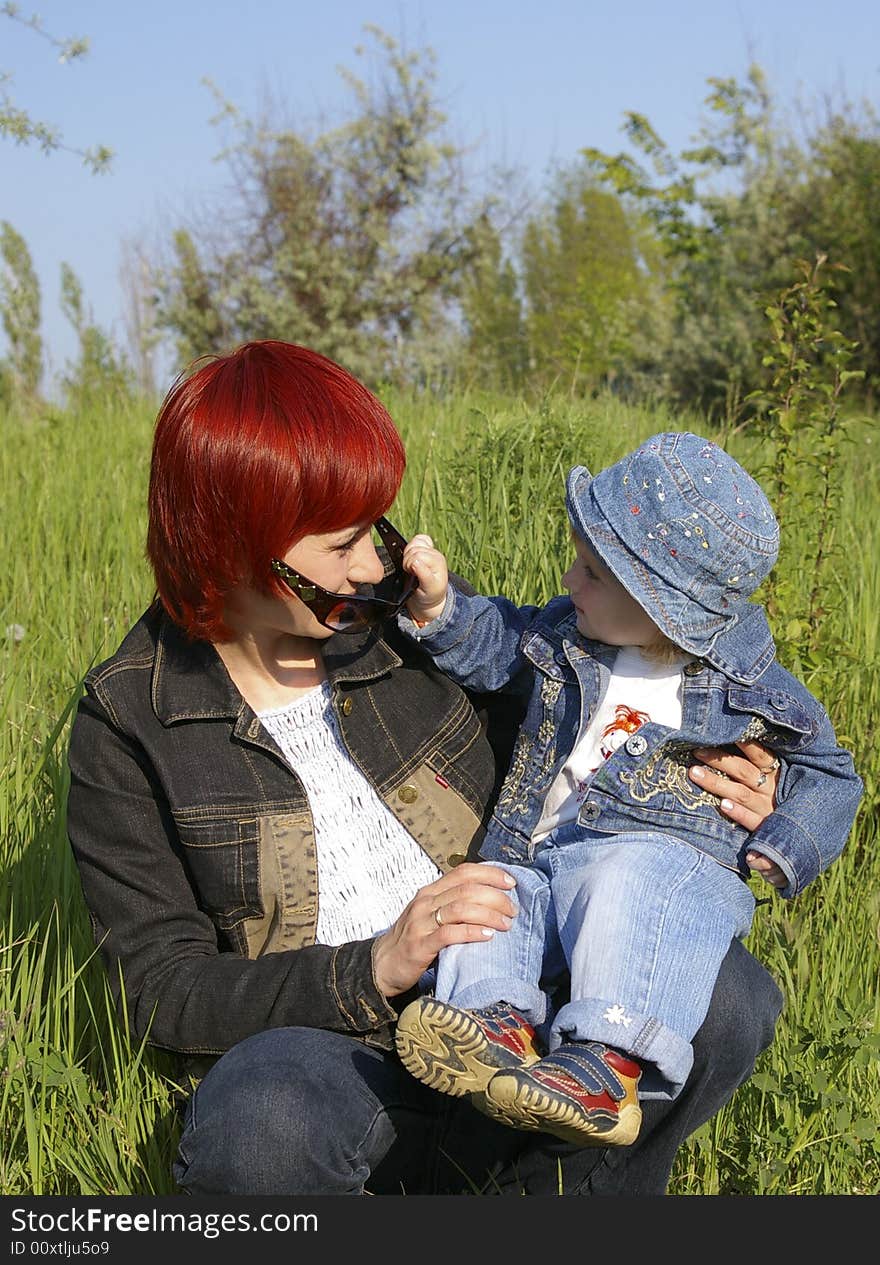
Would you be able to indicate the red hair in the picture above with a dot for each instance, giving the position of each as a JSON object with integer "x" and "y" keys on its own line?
{"x": 251, "y": 452}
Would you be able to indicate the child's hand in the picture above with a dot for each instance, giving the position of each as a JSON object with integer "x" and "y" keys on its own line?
{"x": 428, "y": 565}
{"x": 768, "y": 869}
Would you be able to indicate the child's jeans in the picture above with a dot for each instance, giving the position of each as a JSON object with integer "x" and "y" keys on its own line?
{"x": 643, "y": 922}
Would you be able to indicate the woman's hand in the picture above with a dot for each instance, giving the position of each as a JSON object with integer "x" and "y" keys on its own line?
{"x": 429, "y": 567}
{"x": 469, "y": 903}
{"x": 748, "y": 792}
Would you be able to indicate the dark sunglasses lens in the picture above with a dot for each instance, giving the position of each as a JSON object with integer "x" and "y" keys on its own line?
{"x": 363, "y": 612}
{"x": 348, "y": 616}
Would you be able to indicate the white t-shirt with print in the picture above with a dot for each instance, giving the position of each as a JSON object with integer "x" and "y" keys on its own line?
{"x": 636, "y": 690}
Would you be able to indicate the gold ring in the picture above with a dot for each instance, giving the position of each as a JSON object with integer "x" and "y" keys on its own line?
{"x": 438, "y": 917}
{"x": 765, "y": 773}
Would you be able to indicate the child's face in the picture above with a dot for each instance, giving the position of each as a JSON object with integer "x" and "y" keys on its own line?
{"x": 605, "y": 611}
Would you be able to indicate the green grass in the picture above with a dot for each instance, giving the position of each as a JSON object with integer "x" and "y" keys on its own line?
{"x": 84, "y": 1111}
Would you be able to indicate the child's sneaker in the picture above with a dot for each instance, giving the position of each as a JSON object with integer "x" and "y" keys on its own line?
{"x": 458, "y": 1051}
{"x": 583, "y": 1092}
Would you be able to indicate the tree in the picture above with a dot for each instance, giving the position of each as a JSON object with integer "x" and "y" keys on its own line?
{"x": 352, "y": 240}
{"x": 100, "y": 376}
{"x": 496, "y": 346}
{"x": 576, "y": 297}
{"x": 733, "y": 214}
{"x": 587, "y": 284}
{"x": 843, "y": 194}
{"x": 190, "y": 299}
{"x": 20, "y": 313}
{"x": 139, "y": 313}
{"x": 17, "y": 124}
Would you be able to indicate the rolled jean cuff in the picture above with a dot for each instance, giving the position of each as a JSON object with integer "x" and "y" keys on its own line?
{"x": 668, "y": 1056}
{"x": 526, "y": 998}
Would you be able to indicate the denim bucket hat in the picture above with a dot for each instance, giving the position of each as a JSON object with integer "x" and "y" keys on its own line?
{"x": 690, "y": 535}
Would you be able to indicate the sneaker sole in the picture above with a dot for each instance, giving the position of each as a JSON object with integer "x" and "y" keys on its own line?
{"x": 525, "y": 1106}
{"x": 447, "y": 1050}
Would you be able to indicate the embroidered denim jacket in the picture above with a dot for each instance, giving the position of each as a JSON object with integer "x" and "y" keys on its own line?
{"x": 490, "y": 644}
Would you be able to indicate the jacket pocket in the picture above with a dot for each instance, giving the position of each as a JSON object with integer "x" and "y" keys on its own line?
{"x": 224, "y": 863}
{"x": 783, "y": 713}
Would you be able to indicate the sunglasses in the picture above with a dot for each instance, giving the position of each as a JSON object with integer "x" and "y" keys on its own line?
{"x": 352, "y": 612}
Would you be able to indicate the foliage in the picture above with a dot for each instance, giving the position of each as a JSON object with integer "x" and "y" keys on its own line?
{"x": 496, "y": 349}
{"x": 808, "y": 358}
{"x": 189, "y": 305}
{"x": 646, "y": 270}
{"x": 101, "y": 375}
{"x": 843, "y": 195}
{"x": 20, "y": 313}
{"x": 574, "y": 299}
{"x": 733, "y": 213}
{"x": 17, "y": 124}
{"x": 351, "y": 241}
{"x": 586, "y": 283}
{"x": 139, "y": 314}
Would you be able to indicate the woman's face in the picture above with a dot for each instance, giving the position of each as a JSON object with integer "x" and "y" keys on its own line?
{"x": 338, "y": 561}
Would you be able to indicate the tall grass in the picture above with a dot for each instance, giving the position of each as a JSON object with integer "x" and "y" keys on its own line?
{"x": 82, "y": 1110}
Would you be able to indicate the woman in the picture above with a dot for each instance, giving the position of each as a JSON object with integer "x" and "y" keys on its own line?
{"x": 272, "y": 792}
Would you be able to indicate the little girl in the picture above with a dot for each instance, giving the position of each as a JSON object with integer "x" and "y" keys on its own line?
{"x": 626, "y": 872}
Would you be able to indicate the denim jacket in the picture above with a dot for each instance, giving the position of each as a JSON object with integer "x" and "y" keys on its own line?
{"x": 194, "y": 839}
{"x": 489, "y": 643}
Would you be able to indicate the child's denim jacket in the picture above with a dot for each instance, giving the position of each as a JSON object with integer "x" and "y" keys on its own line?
{"x": 490, "y": 644}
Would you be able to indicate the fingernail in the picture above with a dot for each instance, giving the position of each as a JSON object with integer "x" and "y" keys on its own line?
{"x": 508, "y": 922}
{"x": 698, "y": 773}
{"x": 727, "y": 804}
{"x": 510, "y": 880}
{"x": 488, "y": 932}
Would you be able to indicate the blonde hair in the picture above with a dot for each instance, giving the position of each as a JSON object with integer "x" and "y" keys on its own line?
{"x": 662, "y": 650}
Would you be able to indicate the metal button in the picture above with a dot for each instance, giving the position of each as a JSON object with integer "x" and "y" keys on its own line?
{"x": 456, "y": 858}
{"x": 345, "y": 706}
{"x": 589, "y": 811}
{"x": 408, "y": 793}
{"x": 636, "y": 745}
{"x": 779, "y": 701}
{"x": 693, "y": 669}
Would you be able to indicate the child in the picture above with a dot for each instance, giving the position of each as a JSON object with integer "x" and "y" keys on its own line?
{"x": 625, "y": 870}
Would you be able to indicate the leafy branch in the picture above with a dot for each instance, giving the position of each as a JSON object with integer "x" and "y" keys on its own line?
{"x": 17, "y": 124}
{"x": 808, "y": 359}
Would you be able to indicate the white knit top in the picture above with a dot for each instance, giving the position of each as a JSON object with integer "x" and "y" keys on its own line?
{"x": 369, "y": 865}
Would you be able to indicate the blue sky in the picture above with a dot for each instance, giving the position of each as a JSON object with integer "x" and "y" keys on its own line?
{"x": 528, "y": 84}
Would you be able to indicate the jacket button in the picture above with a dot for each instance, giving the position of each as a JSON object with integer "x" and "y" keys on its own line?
{"x": 636, "y": 745}
{"x": 345, "y": 706}
{"x": 589, "y": 811}
{"x": 779, "y": 701}
{"x": 456, "y": 858}
{"x": 408, "y": 793}
{"x": 693, "y": 669}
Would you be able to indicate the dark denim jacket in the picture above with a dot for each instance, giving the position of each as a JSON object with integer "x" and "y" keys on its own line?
{"x": 194, "y": 839}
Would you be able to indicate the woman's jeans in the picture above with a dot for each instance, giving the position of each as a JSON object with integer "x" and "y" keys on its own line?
{"x": 301, "y": 1111}
{"x": 642, "y": 922}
